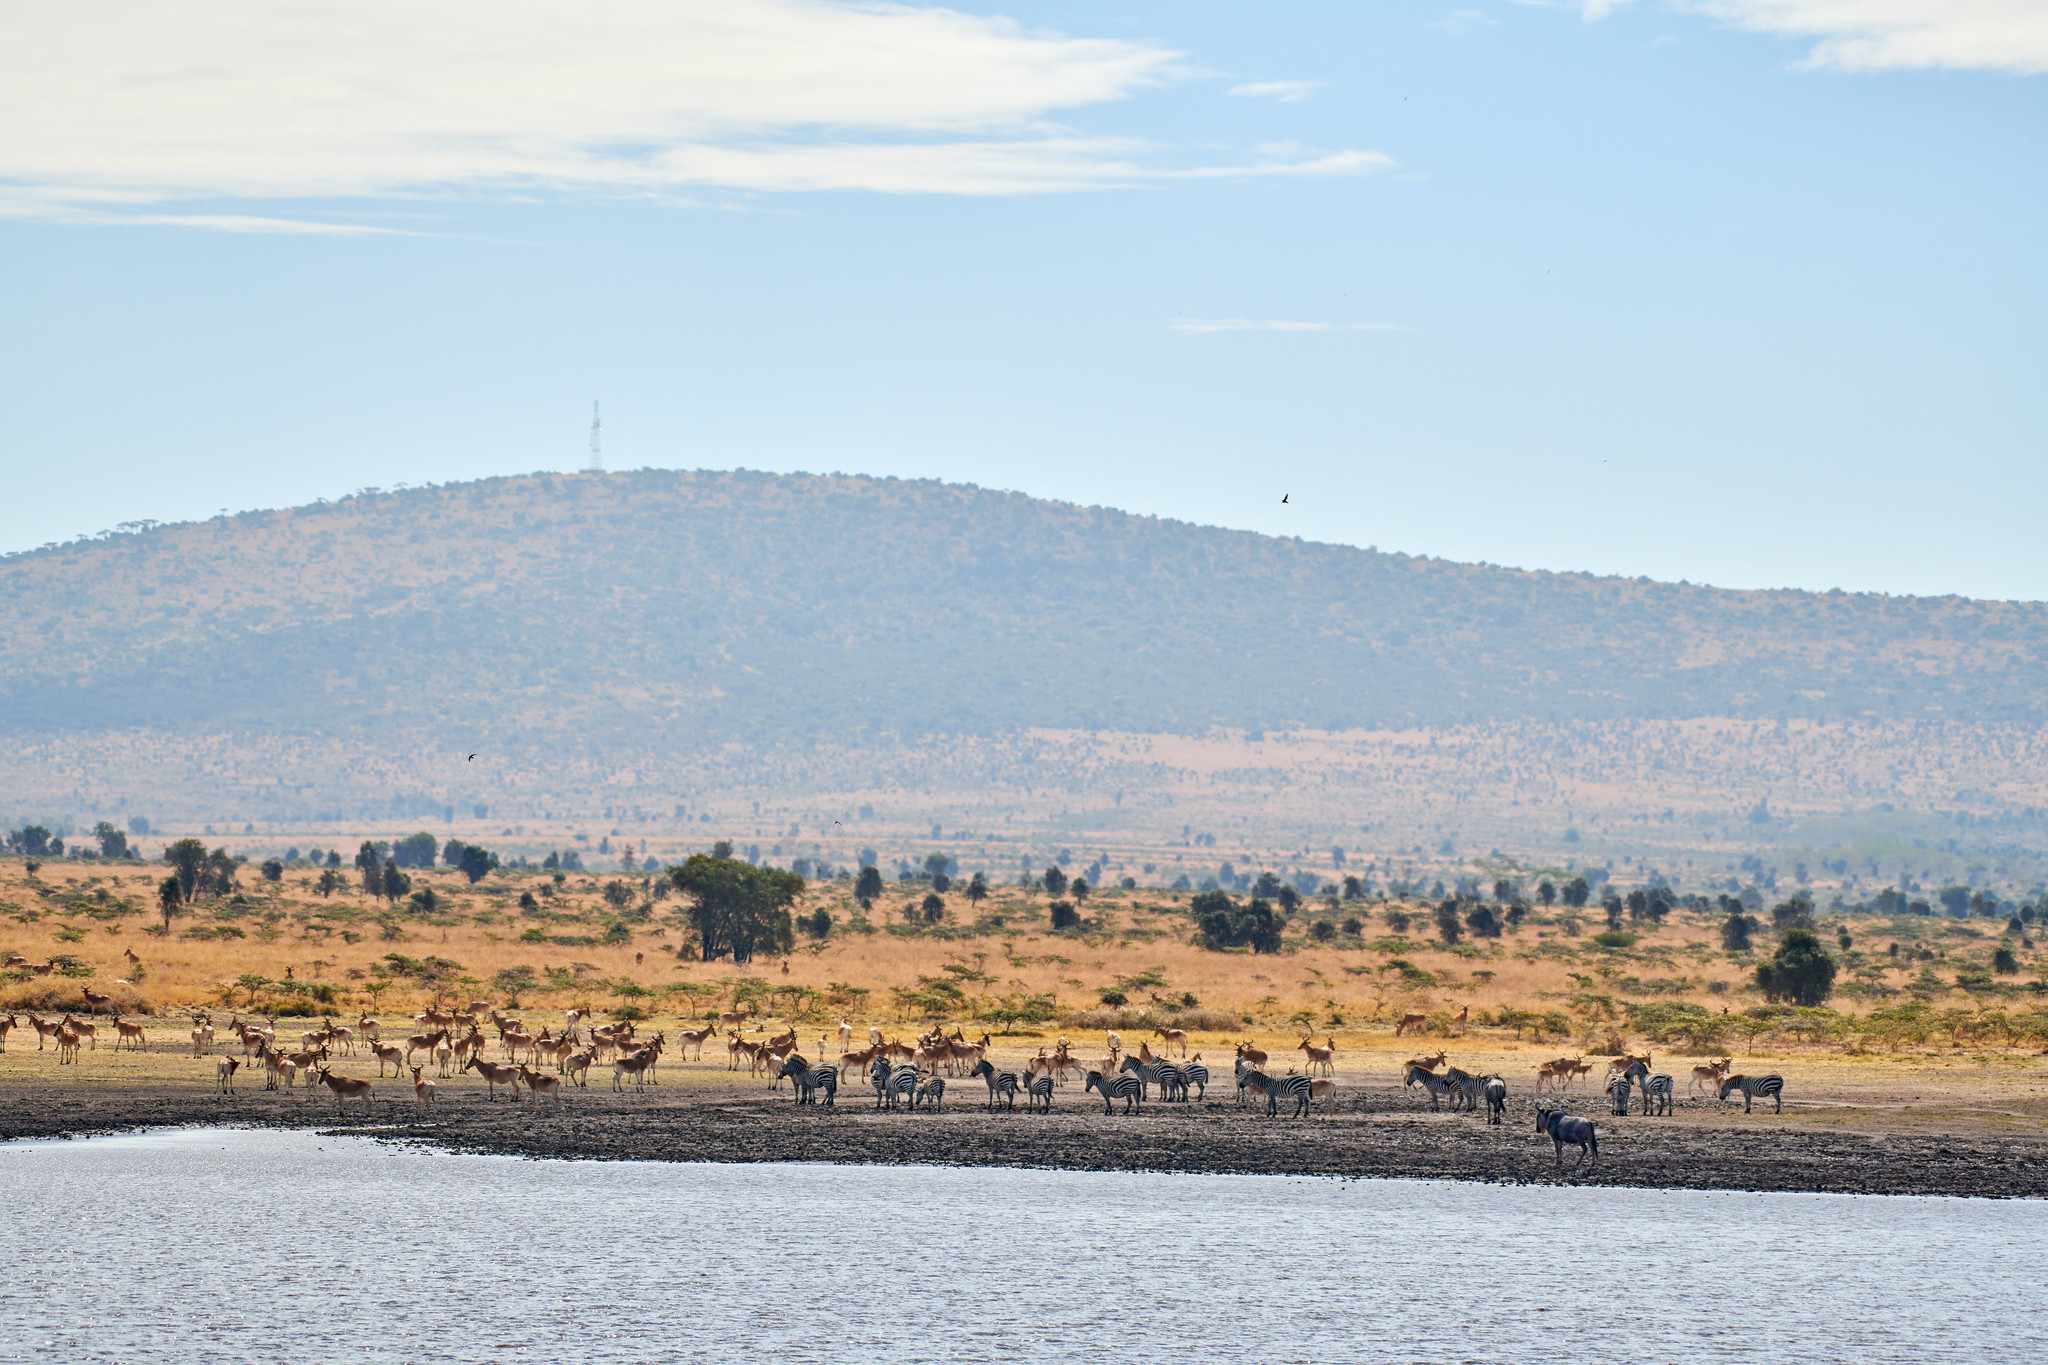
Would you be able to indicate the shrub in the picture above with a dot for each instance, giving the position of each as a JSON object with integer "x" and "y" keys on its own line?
{"x": 1615, "y": 938}
{"x": 1064, "y": 915}
{"x": 2005, "y": 961}
{"x": 1112, "y": 997}
{"x": 1801, "y": 972}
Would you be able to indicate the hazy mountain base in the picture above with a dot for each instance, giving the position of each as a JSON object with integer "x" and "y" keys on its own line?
{"x": 1691, "y": 798}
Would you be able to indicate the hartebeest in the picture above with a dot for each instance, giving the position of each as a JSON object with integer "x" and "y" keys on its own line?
{"x": 95, "y": 1002}
{"x": 422, "y": 1091}
{"x": 1174, "y": 1037}
{"x": 495, "y": 1074}
{"x": 45, "y": 1028}
{"x": 388, "y": 1052}
{"x": 1409, "y": 1021}
{"x": 131, "y": 1034}
{"x": 1712, "y": 1073}
{"x": 224, "y": 1073}
{"x": 538, "y": 1085}
{"x": 88, "y": 1032}
{"x": 1320, "y": 1058}
{"x": 346, "y": 1089}
{"x": 7, "y": 1023}
{"x": 202, "y": 1037}
{"x": 1247, "y": 1055}
{"x": 694, "y": 1038}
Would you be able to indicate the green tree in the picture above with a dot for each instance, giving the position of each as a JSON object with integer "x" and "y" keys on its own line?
{"x": 170, "y": 898}
{"x": 1447, "y": 925}
{"x": 1079, "y": 888}
{"x": 1064, "y": 915}
{"x": 113, "y": 842}
{"x": 1483, "y": 922}
{"x": 188, "y": 856}
{"x": 393, "y": 883}
{"x": 1795, "y": 913}
{"x": 867, "y": 888}
{"x": 370, "y": 863}
{"x": 1055, "y": 881}
{"x": 934, "y": 907}
{"x": 1735, "y": 930}
{"x": 1546, "y": 893}
{"x": 476, "y": 863}
{"x": 738, "y": 908}
{"x": 416, "y": 850}
{"x": 1800, "y": 973}
{"x": 330, "y": 882}
{"x": 977, "y": 889}
{"x": 273, "y": 870}
{"x": 1577, "y": 892}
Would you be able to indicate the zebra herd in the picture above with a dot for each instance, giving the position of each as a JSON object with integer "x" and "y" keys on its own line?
{"x": 1658, "y": 1090}
{"x": 1466, "y": 1091}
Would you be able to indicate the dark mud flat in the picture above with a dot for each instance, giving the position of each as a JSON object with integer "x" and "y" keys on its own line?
{"x": 1371, "y": 1136}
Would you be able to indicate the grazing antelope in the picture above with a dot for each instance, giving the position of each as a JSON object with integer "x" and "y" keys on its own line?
{"x": 345, "y": 1089}
{"x": 6, "y": 1024}
{"x": 1711, "y": 1074}
{"x": 495, "y": 1074}
{"x": 423, "y": 1092}
{"x": 15, "y": 960}
{"x": 94, "y": 1001}
{"x": 1426, "y": 1063}
{"x": 388, "y": 1052}
{"x": 44, "y": 970}
{"x": 130, "y": 1034}
{"x": 1172, "y": 1036}
{"x": 1320, "y": 1058}
{"x": 1409, "y": 1021}
{"x": 539, "y": 1085}
{"x": 224, "y": 1073}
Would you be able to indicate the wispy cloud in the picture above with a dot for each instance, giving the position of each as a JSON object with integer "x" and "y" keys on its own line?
{"x": 118, "y": 110}
{"x": 1890, "y": 35}
{"x": 1285, "y": 92}
{"x": 1278, "y": 325}
{"x": 1461, "y": 21}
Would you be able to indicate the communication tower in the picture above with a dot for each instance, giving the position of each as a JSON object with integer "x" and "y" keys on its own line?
{"x": 596, "y": 465}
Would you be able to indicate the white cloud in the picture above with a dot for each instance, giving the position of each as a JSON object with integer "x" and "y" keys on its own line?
{"x": 1278, "y": 325}
{"x": 110, "y": 105}
{"x": 1881, "y": 35}
{"x": 1878, "y": 35}
{"x": 1285, "y": 92}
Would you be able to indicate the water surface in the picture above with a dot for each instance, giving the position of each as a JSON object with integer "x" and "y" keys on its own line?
{"x": 257, "y": 1245}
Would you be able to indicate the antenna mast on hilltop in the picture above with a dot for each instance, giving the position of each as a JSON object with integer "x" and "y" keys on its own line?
{"x": 596, "y": 465}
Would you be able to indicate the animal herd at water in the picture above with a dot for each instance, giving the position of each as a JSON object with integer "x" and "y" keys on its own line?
{"x": 900, "y": 1076}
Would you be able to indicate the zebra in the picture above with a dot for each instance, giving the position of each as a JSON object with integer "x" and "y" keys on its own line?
{"x": 1563, "y": 1128}
{"x": 1162, "y": 1074}
{"x": 1658, "y": 1089}
{"x": 1197, "y": 1075}
{"x": 1246, "y": 1077}
{"x": 1003, "y": 1083}
{"x": 903, "y": 1086}
{"x": 1470, "y": 1088}
{"x": 1618, "y": 1090}
{"x": 1496, "y": 1098}
{"x": 1752, "y": 1086}
{"x": 1300, "y": 1089}
{"x": 1435, "y": 1084}
{"x": 1038, "y": 1090}
{"x": 932, "y": 1092}
{"x": 878, "y": 1077}
{"x": 1129, "y": 1089}
{"x": 807, "y": 1080}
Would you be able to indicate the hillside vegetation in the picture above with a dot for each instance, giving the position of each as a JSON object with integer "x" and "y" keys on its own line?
{"x": 617, "y": 612}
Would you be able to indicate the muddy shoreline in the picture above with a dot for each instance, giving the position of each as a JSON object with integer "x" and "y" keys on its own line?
{"x": 1370, "y": 1135}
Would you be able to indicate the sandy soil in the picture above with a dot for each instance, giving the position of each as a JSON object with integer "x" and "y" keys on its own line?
{"x": 1974, "y": 1124}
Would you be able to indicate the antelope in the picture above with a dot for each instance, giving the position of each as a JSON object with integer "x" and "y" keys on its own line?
{"x": 424, "y": 1042}
{"x": 345, "y": 1090}
{"x": 423, "y": 1091}
{"x": 94, "y": 1000}
{"x": 44, "y": 970}
{"x": 845, "y": 1037}
{"x": 1247, "y": 1055}
{"x": 732, "y": 1019}
{"x": 577, "y": 1067}
{"x": 202, "y": 1037}
{"x": 1459, "y": 1021}
{"x": 634, "y": 1064}
{"x": 1617, "y": 1065}
{"x": 538, "y": 1085}
{"x": 495, "y": 1074}
{"x": 1172, "y": 1036}
{"x": 874, "y": 1036}
{"x": 130, "y": 1034}
{"x": 343, "y": 1039}
{"x": 1548, "y": 1074}
{"x": 388, "y": 1052}
{"x": 89, "y": 1032}
{"x": 1114, "y": 1041}
{"x": 15, "y": 960}
{"x": 45, "y": 1028}
{"x": 515, "y": 1042}
{"x": 444, "y": 1058}
{"x": 133, "y": 960}
{"x": 1427, "y": 1063}
{"x": 1712, "y": 1073}
{"x": 371, "y": 1030}
{"x": 858, "y": 1060}
{"x": 67, "y": 1044}
{"x": 695, "y": 1038}
{"x": 1409, "y": 1021}
{"x": 737, "y": 1047}
{"x": 6, "y": 1023}
{"x": 309, "y": 1041}
{"x": 1319, "y": 1058}
{"x": 224, "y": 1073}
{"x": 560, "y": 1050}
{"x": 1578, "y": 1069}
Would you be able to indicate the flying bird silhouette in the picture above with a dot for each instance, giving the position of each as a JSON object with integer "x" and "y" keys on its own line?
{"x": 1283, "y": 497}
{"x": 472, "y": 758}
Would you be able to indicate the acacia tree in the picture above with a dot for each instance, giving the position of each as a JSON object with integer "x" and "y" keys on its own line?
{"x": 867, "y": 888}
{"x": 738, "y": 908}
{"x": 170, "y": 897}
{"x": 188, "y": 856}
{"x": 1801, "y": 972}
{"x": 977, "y": 889}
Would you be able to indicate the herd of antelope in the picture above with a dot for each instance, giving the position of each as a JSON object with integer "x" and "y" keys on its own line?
{"x": 543, "y": 1063}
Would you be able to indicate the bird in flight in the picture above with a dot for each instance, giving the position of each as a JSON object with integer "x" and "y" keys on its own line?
{"x": 472, "y": 758}
{"x": 1283, "y": 497}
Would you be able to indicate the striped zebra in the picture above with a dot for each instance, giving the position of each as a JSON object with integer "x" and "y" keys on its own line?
{"x": 1245, "y": 1075}
{"x": 1470, "y": 1089}
{"x": 1165, "y": 1075}
{"x": 1658, "y": 1090}
{"x": 1037, "y": 1091}
{"x": 1563, "y": 1128}
{"x": 878, "y": 1077}
{"x": 1437, "y": 1086}
{"x": 933, "y": 1093}
{"x": 1752, "y": 1086}
{"x": 1300, "y": 1089}
{"x": 1129, "y": 1089}
{"x": 1618, "y": 1090}
{"x": 808, "y": 1080}
{"x": 1000, "y": 1083}
{"x": 1197, "y": 1075}
{"x": 903, "y": 1087}
{"x": 1496, "y": 1098}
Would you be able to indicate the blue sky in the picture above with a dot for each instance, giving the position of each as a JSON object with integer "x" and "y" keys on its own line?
{"x": 1738, "y": 291}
